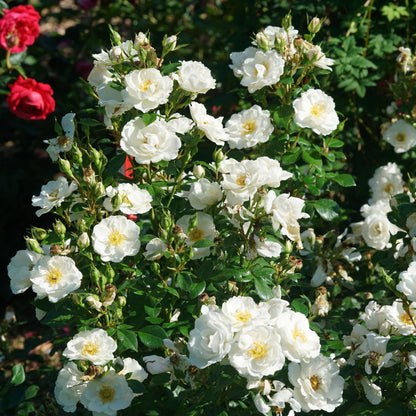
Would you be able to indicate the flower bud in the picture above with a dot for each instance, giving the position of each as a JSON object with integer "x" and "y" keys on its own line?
{"x": 199, "y": 171}
{"x": 39, "y": 233}
{"x": 169, "y": 44}
{"x": 94, "y": 302}
{"x": 59, "y": 228}
{"x": 140, "y": 40}
{"x": 121, "y": 301}
{"x": 114, "y": 36}
{"x": 89, "y": 175}
{"x": 287, "y": 22}
{"x": 155, "y": 267}
{"x": 95, "y": 275}
{"x": 109, "y": 273}
{"x": 116, "y": 201}
{"x": 99, "y": 189}
{"x": 218, "y": 156}
{"x": 109, "y": 294}
{"x": 65, "y": 167}
{"x": 314, "y": 25}
{"x": 262, "y": 41}
{"x": 82, "y": 225}
{"x": 83, "y": 240}
{"x": 76, "y": 154}
{"x": 33, "y": 245}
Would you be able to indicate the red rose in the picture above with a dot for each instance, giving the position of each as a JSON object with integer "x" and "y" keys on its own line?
{"x": 19, "y": 27}
{"x": 30, "y": 100}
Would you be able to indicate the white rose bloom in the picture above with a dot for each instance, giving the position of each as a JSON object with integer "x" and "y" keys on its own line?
{"x": 411, "y": 224}
{"x": 386, "y": 182}
{"x": 62, "y": 143}
{"x": 116, "y": 237}
{"x": 263, "y": 69}
{"x": 179, "y": 123}
{"x": 241, "y": 180}
{"x": 256, "y": 351}
{"x": 210, "y": 340}
{"x": 212, "y": 127}
{"x": 205, "y": 229}
{"x": 151, "y": 143}
{"x": 275, "y": 307}
{"x": 401, "y": 135}
{"x": 133, "y": 199}
{"x": 285, "y": 210}
{"x": 249, "y": 127}
{"x": 267, "y": 248}
{"x": 316, "y": 110}
{"x": 107, "y": 394}
{"x": 403, "y": 321}
{"x": 94, "y": 345}
{"x": 374, "y": 317}
{"x": 100, "y": 74}
{"x": 146, "y": 89}
{"x": 112, "y": 101}
{"x": 271, "y": 172}
{"x": 204, "y": 193}
{"x": 132, "y": 366}
{"x": 242, "y": 311}
{"x": 317, "y": 384}
{"x": 194, "y": 77}
{"x": 376, "y": 231}
{"x": 55, "y": 277}
{"x": 238, "y": 58}
{"x": 52, "y": 195}
{"x": 19, "y": 270}
{"x": 154, "y": 246}
{"x": 407, "y": 284}
{"x": 314, "y": 52}
{"x": 299, "y": 342}
{"x": 69, "y": 387}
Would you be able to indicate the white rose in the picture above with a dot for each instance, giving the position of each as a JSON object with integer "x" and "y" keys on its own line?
{"x": 112, "y": 101}
{"x": 132, "y": 366}
{"x": 249, "y": 127}
{"x": 401, "y": 135}
{"x": 204, "y": 193}
{"x": 153, "y": 247}
{"x": 194, "y": 77}
{"x": 55, "y": 277}
{"x": 402, "y": 319}
{"x": 271, "y": 173}
{"x": 316, "y": 110}
{"x": 210, "y": 340}
{"x": 146, "y": 89}
{"x": 263, "y": 69}
{"x": 238, "y": 58}
{"x": 94, "y": 345}
{"x": 212, "y": 127}
{"x": 376, "y": 231}
{"x": 317, "y": 384}
{"x": 386, "y": 182}
{"x": 151, "y": 143}
{"x": 407, "y": 284}
{"x": 116, "y": 237}
{"x": 62, "y": 143}
{"x": 53, "y": 194}
{"x": 256, "y": 351}
{"x": 19, "y": 270}
{"x": 133, "y": 199}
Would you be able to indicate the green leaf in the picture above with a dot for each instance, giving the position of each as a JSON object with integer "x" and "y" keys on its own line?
{"x": 18, "y": 375}
{"x": 31, "y": 392}
{"x": 3, "y": 5}
{"x": 196, "y": 289}
{"x": 299, "y": 306}
{"x": 152, "y": 336}
{"x": 263, "y": 290}
{"x": 313, "y": 158}
{"x": 396, "y": 342}
{"x": 326, "y": 208}
{"x": 115, "y": 164}
{"x": 90, "y": 122}
{"x": 203, "y": 243}
{"x": 127, "y": 340}
{"x": 149, "y": 118}
{"x": 136, "y": 386}
{"x": 344, "y": 179}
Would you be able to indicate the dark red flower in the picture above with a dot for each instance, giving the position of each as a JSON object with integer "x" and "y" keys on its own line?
{"x": 19, "y": 27}
{"x": 30, "y": 100}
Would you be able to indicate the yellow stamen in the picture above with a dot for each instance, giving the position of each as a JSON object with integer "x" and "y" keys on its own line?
{"x": 298, "y": 334}
{"x": 196, "y": 234}
{"x": 89, "y": 348}
{"x": 317, "y": 110}
{"x": 259, "y": 351}
{"x": 242, "y": 316}
{"x": 406, "y": 319}
{"x": 106, "y": 394}
{"x": 145, "y": 85}
{"x": 400, "y": 137}
{"x": 54, "y": 276}
{"x": 241, "y": 180}
{"x": 315, "y": 382}
{"x": 248, "y": 127}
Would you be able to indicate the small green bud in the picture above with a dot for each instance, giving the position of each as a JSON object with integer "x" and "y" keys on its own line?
{"x": 59, "y": 228}
{"x": 121, "y": 301}
{"x": 288, "y": 247}
{"x": 262, "y": 41}
{"x": 114, "y": 36}
{"x": 82, "y": 225}
{"x": 39, "y": 233}
{"x": 218, "y": 156}
{"x": 96, "y": 157}
{"x": 95, "y": 275}
{"x": 193, "y": 223}
{"x": 83, "y": 240}
{"x": 99, "y": 189}
{"x": 199, "y": 171}
{"x": 155, "y": 267}
{"x": 76, "y": 154}
{"x": 169, "y": 44}
{"x": 109, "y": 272}
{"x": 116, "y": 201}
{"x": 65, "y": 167}
{"x": 314, "y": 25}
{"x": 287, "y": 22}
{"x": 33, "y": 245}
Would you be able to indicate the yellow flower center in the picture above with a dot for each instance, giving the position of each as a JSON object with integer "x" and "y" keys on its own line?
{"x": 196, "y": 234}
{"x": 106, "y": 394}
{"x": 299, "y": 334}
{"x": 249, "y": 126}
{"x": 145, "y": 85}
{"x": 115, "y": 238}
{"x": 63, "y": 140}
{"x": 400, "y": 137}
{"x": 54, "y": 276}
{"x": 89, "y": 348}
{"x": 406, "y": 319}
{"x": 317, "y": 110}
{"x": 242, "y": 316}
{"x": 388, "y": 189}
{"x": 241, "y": 180}
{"x": 259, "y": 351}
{"x": 315, "y": 382}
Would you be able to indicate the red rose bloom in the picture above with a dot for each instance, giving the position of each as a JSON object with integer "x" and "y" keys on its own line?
{"x": 19, "y": 27}
{"x": 30, "y": 100}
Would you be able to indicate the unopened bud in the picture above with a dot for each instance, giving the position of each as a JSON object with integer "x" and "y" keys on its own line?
{"x": 169, "y": 44}
{"x": 199, "y": 171}
{"x": 109, "y": 273}
{"x": 140, "y": 40}
{"x": 115, "y": 53}
{"x": 114, "y": 36}
{"x": 94, "y": 302}
{"x": 155, "y": 267}
{"x": 59, "y": 228}
{"x": 65, "y": 167}
{"x": 99, "y": 189}
{"x": 89, "y": 175}
{"x": 76, "y": 154}
{"x": 83, "y": 240}
{"x": 262, "y": 41}
{"x": 109, "y": 294}
{"x": 315, "y": 25}
{"x": 82, "y": 225}
{"x": 33, "y": 245}
{"x": 39, "y": 233}
{"x": 287, "y": 22}
{"x": 121, "y": 301}
{"x": 95, "y": 275}
{"x": 116, "y": 201}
